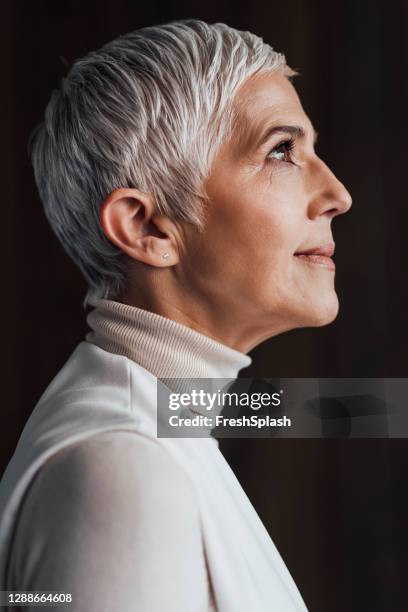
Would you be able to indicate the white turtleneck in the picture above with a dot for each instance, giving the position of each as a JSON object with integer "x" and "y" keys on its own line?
{"x": 91, "y": 500}
{"x": 96, "y": 505}
{"x": 164, "y": 347}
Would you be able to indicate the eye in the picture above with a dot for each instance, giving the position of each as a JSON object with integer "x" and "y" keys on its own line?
{"x": 282, "y": 151}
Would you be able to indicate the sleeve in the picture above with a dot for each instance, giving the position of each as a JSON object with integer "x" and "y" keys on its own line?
{"x": 114, "y": 521}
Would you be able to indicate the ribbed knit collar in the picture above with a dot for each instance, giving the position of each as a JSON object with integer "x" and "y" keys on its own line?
{"x": 162, "y": 346}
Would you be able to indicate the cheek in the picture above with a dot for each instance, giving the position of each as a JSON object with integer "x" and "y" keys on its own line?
{"x": 276, "y": 227}
{"x": 254, "y": 227}
{"x": 253, "y": 254}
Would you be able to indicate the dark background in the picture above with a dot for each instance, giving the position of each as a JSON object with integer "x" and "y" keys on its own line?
{"x": 336, "y": 509}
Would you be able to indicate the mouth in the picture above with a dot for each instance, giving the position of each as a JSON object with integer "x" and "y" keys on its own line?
{"x": 318, "y": 256}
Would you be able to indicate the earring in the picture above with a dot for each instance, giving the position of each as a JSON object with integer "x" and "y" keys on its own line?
{"x": 166, "y": 255}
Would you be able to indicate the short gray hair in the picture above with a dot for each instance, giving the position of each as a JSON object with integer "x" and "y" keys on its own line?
{"x": 148, "y": 110}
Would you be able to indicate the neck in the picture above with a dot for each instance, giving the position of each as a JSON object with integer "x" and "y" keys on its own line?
{"x": 224, "y": 325}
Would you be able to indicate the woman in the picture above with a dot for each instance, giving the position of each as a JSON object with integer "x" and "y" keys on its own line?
{"x": 177, "y": 167}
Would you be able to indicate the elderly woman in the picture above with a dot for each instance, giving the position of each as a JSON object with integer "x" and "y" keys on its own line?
{"x": 178, "y": 169}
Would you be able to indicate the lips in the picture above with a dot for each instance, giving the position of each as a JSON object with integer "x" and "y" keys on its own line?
{"x": 319, "y": 255}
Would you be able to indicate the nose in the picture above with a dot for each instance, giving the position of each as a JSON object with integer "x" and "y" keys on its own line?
{"x": 328, "y": 195}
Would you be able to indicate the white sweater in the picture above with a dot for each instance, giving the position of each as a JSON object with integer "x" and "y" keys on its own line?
{"x": 94, "y": 504}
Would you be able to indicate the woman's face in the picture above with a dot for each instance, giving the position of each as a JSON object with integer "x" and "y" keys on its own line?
{"x": 271, "y": 198}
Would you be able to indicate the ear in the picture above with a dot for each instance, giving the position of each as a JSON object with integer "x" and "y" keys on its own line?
{"x": 128, "y": 220}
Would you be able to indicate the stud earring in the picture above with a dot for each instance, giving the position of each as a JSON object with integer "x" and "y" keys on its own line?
{"x": 166, "y": 255}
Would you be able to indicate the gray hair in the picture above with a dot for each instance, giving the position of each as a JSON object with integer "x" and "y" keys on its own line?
{"x": 148, "y": 110}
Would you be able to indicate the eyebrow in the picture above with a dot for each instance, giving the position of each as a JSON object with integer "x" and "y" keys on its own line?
{"x": 295, "y": 131}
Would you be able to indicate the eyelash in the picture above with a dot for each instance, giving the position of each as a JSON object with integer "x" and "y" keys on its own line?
{"x": 289, "y": 145}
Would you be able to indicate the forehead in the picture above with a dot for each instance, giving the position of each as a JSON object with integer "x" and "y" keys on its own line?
{"x": 267, "y": 99}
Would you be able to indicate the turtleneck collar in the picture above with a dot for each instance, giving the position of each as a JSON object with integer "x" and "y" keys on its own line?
{"x": 164, "y": 347}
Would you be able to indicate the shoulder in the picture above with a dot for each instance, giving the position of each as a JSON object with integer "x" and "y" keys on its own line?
{"x": 119, "y": 466}
{"x": 115, "y": 508}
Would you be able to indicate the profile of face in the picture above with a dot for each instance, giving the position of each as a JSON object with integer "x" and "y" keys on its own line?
{"x": 267, "y": 246}
{"x": 263, "y": 263}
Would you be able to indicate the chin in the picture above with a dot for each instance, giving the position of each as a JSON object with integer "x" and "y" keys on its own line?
{"x": 318, "y": 311}
{"x": 324, "y": 312}
{"x": 315, "y": 310}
